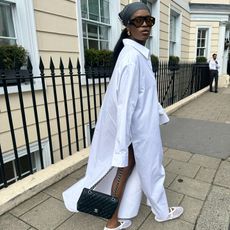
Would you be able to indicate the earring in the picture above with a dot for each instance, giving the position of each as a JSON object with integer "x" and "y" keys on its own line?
{"x": 128, "y": 32}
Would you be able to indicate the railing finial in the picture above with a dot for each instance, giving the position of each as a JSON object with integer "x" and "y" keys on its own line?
{"x": 70, "y": 65}
{"x": 52, "y": 67}
{"x": 78, "y": 65}
{"x": 61, "y": 65}
{"x": 29, "y": 65}
{"x": 41, "y": 65}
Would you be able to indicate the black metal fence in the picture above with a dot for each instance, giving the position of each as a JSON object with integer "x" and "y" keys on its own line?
{"x": 61, "y": 108}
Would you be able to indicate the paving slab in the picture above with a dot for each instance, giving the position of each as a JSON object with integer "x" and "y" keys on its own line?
{"x": 216, "y": 210}
{"x": 206, "y": 174}
{"x": 166, "y": 161}
{"x": 183, "y": 168}
{"x": 174, "y": 198}
{"x": 205, "y": 161}
{"x": 58, "y": 188}
{"x": 29, "y": 204}
{"x": 9, "y": 222}
{"x": 191, "y": 187}
{"x": 169, "y": 178}
{"x": 47, "y": 215}
{"x": 82, "y": 221}
{"x": 192, "y": 208}
{"x": 178, "y": 155}
{"x": 223, "y": 175}
{"x": 178, "y": 224}
{"x": 144, "y": 212}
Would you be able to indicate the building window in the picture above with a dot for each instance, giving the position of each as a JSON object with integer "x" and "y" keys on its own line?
{"x": 95, "y": 23}
{"x": 175, "y": 33}
{"x": 7, "y": 33}
{"x": 10, "y": 164}
{"x": 11, "y": 172}
{"x": 172, "y": 36}
{"x": 202, "y": 42}
{"x": 17, "y": 26}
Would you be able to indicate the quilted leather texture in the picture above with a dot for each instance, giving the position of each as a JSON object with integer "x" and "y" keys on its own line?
{"x": 97, "y": 203}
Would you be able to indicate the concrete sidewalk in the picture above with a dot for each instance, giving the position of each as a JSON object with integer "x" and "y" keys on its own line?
{"x": 198, "y": 181}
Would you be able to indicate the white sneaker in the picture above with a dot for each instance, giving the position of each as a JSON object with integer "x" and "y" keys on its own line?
{"x": 174, "y": 212}
{"x": 123, "y": 225}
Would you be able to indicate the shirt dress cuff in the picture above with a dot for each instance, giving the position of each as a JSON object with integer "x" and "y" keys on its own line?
{"x": 120, "y": 159}
{"x": 163, "y": 119}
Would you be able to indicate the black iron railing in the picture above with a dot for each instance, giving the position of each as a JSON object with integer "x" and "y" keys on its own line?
{"x": 64, "y": 110}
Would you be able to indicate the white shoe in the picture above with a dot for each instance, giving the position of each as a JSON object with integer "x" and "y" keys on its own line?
{"x": 123, "y": 225}
{"x": 174, "y": 213}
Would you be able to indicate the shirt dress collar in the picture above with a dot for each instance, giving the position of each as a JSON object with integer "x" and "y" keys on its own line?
{"x": 140, "y": 48}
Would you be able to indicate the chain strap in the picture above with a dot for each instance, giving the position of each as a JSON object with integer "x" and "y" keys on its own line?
{"x": 121, "y": 170}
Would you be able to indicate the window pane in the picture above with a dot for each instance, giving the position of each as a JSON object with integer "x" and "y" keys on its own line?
{"x": 104, "y": 4}
{"x": 104, "y": 45}
{"x": 9, "y": 170}
{"x": 4, "y": 41}
{"x": 6, "y": 21}
{"x": 203, "y": 33}
{"x": 93, "y": 10}
{"x": 202, "y": 52}
{"x": 103, "y": 30}
{"x": 93, "y": 44}
{"x": 92, "y": 31}
{"x": 84, "y": 8}
{"x": 203, "y": 43}
{"x": 171, "y": 48}
{"x": 85, "y": 43}
{"x": 24, "y": 162}
{"x": 172, "y": 28}
{"x": 84, "y": 29}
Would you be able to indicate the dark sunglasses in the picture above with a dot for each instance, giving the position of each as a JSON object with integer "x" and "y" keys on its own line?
{"x": 138, "y": 21}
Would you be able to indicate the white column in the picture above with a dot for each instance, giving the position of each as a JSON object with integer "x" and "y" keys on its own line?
{"x": 220, "y": 54}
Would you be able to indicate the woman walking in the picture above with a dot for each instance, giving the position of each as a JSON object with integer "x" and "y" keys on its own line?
{"x": 127, "y": 134}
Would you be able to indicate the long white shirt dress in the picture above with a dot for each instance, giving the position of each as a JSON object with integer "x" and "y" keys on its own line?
{"x": 130, "y": 113}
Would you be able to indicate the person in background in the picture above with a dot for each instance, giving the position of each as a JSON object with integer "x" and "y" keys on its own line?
{"x": 127, "y": 134}
{"x": 213, "y": 68}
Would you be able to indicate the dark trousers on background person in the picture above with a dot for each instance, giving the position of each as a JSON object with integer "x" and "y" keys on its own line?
{"x": 214, "y": 76}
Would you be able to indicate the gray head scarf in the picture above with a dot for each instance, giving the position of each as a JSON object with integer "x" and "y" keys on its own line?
{"x": 126, "y": 14}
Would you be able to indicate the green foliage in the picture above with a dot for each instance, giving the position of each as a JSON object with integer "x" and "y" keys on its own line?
{"x": 201, "y": 60}
{"x": 12, "y": 56}
{"x": 95, "y": 57}
{"x": 174, "y": 60}
{"x": 155, "y": 62}
{"x": 173, "y": 63}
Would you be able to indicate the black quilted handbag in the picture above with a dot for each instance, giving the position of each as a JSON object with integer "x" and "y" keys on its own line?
{"x": 97, "y": 203}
